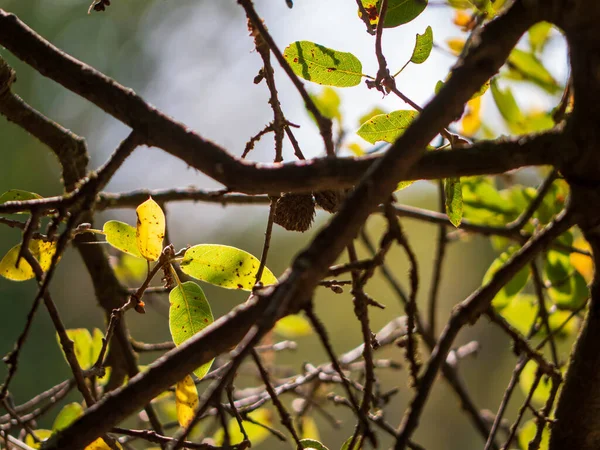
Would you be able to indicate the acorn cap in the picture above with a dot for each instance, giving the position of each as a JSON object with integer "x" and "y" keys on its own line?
{"x": 295, "y": 212}
{"x": 329, "y": 200}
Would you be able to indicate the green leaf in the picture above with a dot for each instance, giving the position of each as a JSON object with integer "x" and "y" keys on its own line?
{"x": 423, "y": 46}
{"x": 122, "y": 237}
{"x": 328, "y": 103}
{"x": 386, "y": 127}
{"x": 398, "y": 12}
{"x": 506, "y": 103}
{"x": 224, "y": 266}
{"x": 513, "y": 287}
{"x": 403, "y": 185}
{"x": 346, "y": 445}
{"x": 538, "y": 35}
{"x": 532, "y": 70}
{"x": 42, "y": 435}
{"x": 542, "y": 392}
{"x": 482, "y": 90}
{"x": 17, "y": 195}
{"x": 376, "y": 111}
{"x": 454, "y": 200}
{"x": 189, "y": 313}
{"x": 85, "y": 345}
{"x": 323, "y": 65}
{"x": 521, "y": 312}
{"x": 483, "y": 203}
{"x": 292, "y": 327}
{"x": 528, "y": 432}
{"x": 312, "y": 444}
{"x": 69, "y": 414}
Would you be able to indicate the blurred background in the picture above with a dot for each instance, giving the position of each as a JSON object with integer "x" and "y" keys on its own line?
{"x": 194, "y": 60}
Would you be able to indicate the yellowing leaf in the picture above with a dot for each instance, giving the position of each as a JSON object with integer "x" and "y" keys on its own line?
{"x": 582, "y": 263}
{"x": 528, "y": 432}
{"x": 41, "y": 434}
{"x": 42, "y": 251}
{"x": 150, "y": 230}
{"x": 224, "y": 266}
{"x": 99, "y": 444}
{"x": 293, "y": 326}
{"x": 86, "y": 347}
{"x": 356, "y": 149}
{"x": 323, "y": 65}
{"x": 455, "y": 45}
{"x": 186, "y": 400}
{"x": 309, "y": 428}
{"x": 454, "y": 200}
{"x": 189, "y": 313}
{"x": 462, "y": 19}
{"x": 328, "y": 103}
{"x": 398, "y": 12}
{"x": 256, "y": 433}
{"x": 69, "y": 414}
{"x": 122, "y": 236}
{"x": 471, "y": 121}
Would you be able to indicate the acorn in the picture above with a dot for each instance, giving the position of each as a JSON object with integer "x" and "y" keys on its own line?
{"x": 295, "y": 212}
{"x": 330, "y": 200}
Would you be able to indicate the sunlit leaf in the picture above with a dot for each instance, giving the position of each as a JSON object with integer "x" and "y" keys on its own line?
{"x": 538, "y": 35}
{"x": 583, "y": 263}
{"x": 398, "y": 12}
{"x": 471, "y": 121}
{"x": 356, "y": 149}
{"x": 346, "y": 445}
{"x": 328, "y": 103}
{"x": 423, "y": 46}
{"x": 483, "y": 203}
{"x": 224, "y": 266}
{"x": 42, "y": 436}
{"x": 86, "y": 347}
{"x": 67, "y": 416}
{"x": 532, "y": 69}
{"x": 189, "y": 313}
{"x": 455, "y": 45}
{"x": 99, "y": 444}
{"x": 150, "y": 230}
{"x": 42, "y": 251}
{"x": 403, "y": 185}
{"x": 323, "y": 65}
{"x": 129, "y": 268}
{"x": 372, "y": 113}
{"x": 463, "y": 20}
{"x": 506, "y": 103}
{"x": 309, "y": 429}
{"x": 293, "y": 326}
{"x": 513, "y": 287}
{"x": 528, "y": 432}
{"x": 521, "y": 312}
{"x": 186, "y": 400}
{"x": 256, "y": 433}
{"x": 122, "y": 236}
{"x": 542, "y": 392}
{"x": 17, "y": 195}
{"x": 312, "y": 444}
{"x": 386, "y": 127}
{"x": 454, "y": 200}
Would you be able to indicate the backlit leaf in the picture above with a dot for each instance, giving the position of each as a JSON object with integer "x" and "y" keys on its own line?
{"x": 323, "y": 65}
{"x": 583, "y": 263}
{"x": 150, "y": 230}
{"x": 122, "y": 236}
{"x": 42, "y": 251}
{"x": 224, "y": 266}
{"x": 454, "y": 200}
{"x": 372, "y": 113}
{"x": 42, "y": 436}
{"x": 99, "y": 444}
{"x": 538, "y": 35}
{"x": 455, "y": 45}
{"x": 528, "y": 432}
{"x": 328, "y": 103}
{"x": 386, "y": 127}
{"x": 293, "y": 326}
{"x": 308, "y": 428}
{"x": 506, "y": 103}
{"x": 398, "y": 12}
{"x": 471, "y": 121}
{"x": 189, "y": 313}
{"x": 256, "y": 433}
{"x": 186, "y": 400}
{"x": 513, "y": 287}
{"x": 67, "y": 416}
{"x": 17, "y": 195}
{"x": 403, "y": 184}
{"x": 532, "y": 69}
{"x": 423, "y": 47}
{"x": 85, "y": 345}
{"x": 346, "y": 445}
{"x": 542, "y": 391}
{"x": 312, "y": 444}
{"x": 521, "y": 312}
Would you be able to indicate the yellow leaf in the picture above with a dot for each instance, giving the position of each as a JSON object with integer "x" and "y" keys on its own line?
{"x": 256, "y": 433}
{"x": 309, "y": 428}
{"x": 42, "y": 251}
{"x": 471, "y": 121}
{"x": 455, "y": 45}
{"x": 292, "y": 326}
{"x": 582, "y": 263}
{"x": 42, "y": 436}
{"x": 186, "y": 400}
{"x": 150, "y": 230}
{"x": 99, "y": 444}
